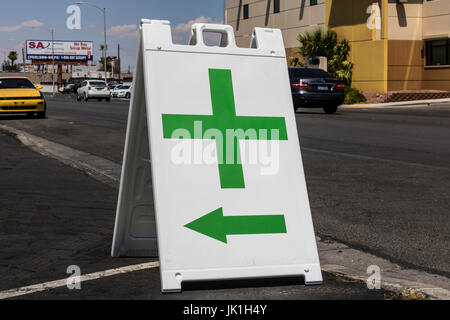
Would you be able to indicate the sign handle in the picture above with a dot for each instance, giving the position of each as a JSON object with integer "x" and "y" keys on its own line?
{"x": 198, "y": 29}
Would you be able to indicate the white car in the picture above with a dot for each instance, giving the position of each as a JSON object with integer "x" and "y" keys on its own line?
{"x": 123, "y": 91}
{"x": 113, "y": 90}
{"x": 93, "y": 89}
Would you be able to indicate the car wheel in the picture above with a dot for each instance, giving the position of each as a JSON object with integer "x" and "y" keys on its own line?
{"x": 108, "y": 99}
{"x": 41, "y": 115}
{"x": 85, "y": 97}
{"x": 330, "y": 110}
{"x": 100, "y": 100}
{"x": 78, "y": 97}
{"x": 128, "y": 96}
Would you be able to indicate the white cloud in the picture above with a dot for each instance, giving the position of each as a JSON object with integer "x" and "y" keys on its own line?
{"x": 186, "y": 27}
{"x": 123, "y": 31}
{"x": 182, "y": 32}
{"x": 25, "y": 24}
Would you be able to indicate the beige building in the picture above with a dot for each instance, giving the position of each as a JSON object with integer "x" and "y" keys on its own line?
{"x": 396, "y": 44}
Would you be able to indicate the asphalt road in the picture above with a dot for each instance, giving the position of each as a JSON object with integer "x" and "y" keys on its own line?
{"x": 378, "y": 179}
{"x": 53, "y": 216}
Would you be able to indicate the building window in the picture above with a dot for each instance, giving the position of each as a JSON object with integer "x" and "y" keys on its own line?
{"x": 438, "y": 52}
{"x": 312, "y": 2}
{"x": 276, "y": 6}
{"x": 245, "y": 11}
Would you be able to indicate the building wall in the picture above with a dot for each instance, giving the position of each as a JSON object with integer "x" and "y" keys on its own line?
{"x": 389, "y": 59}
{"x": 405, "y": 20}
{"x": 406, "y": 65}
{"x": 368, "y": 46}
{"x": 295, "y": 17}
{"x": 436, "y": 24}
{"x": 436, "y": 17}
{"x": 409, "y": 24}
{"x": 348, "y": 18}
{"x": 405, "y": 56}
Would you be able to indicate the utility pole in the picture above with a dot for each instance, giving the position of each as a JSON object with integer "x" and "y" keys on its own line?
{"x": 106, "y": 48}
{"x": 113, "y": 61}
{"x": 24, "y": 65}
{"x": 53, "y": 55}
{"x": 224, "y": 11}
{"x": 118, "y": 62}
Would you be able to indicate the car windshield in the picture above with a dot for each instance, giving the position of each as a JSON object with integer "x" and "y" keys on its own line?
{"x": 308, "y": 73}
{"x": 98, "y": 84}
{"x": 18, "y": 83}
{"x": 125, "y": 87}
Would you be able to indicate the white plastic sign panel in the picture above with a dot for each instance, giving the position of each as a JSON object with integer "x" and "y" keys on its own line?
{"x": 229, "y": 193}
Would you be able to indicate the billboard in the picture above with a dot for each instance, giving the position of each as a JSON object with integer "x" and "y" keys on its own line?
{"x": 68, "y": 51}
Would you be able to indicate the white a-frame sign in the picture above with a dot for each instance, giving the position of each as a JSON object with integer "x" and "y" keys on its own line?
{"x": 212, "y": 177}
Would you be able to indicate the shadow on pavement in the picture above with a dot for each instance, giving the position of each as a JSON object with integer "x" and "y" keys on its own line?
{"x": 243, "y": 283}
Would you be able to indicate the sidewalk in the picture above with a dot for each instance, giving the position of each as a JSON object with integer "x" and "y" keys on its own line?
{"x": 53, "y": 216}
{"x": 404, "y": 104}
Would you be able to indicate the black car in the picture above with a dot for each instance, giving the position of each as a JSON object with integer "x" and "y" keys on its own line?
{"x": 69, "y": 88}
{"x": 315, "y": 88}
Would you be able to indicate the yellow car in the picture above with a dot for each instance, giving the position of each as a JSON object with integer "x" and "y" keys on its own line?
{"x": 19, "y": 95}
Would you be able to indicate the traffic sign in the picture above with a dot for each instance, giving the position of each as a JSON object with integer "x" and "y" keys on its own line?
{"x": 212, "y": 177}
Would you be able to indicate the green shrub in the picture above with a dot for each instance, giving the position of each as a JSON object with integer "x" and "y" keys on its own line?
{"x": 324, "y": 42}
{"x": 353, "y": 96}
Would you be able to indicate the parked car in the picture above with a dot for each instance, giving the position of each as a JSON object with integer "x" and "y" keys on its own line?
{"x": 123, "y": 91}
{"x": 19, "y": 95}
{"x": 93, "y": 89}
{"x": 315, "y": 88}
{"x": 113, "y": 91}
{"x": 69, "y": 88}
{"x": 113, "y": 86}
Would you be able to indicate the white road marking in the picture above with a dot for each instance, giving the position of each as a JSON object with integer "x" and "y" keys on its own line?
{"x": 63, "y": 282}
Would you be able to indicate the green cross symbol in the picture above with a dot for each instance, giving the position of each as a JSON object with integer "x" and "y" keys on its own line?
{"x": 224, "y": 118}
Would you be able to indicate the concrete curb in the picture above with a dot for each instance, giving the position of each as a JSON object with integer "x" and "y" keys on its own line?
{"x": 341, "y": 260}
{"x": 103, "y": 170}
{"x": 405, "y": 104}
{"x": 336, "y": 258}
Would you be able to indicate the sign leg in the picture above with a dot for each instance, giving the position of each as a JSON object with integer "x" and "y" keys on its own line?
{"x": 135, "y": 229}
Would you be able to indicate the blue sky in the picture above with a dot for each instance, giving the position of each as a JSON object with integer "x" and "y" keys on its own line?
{"x": 122, "y": 19}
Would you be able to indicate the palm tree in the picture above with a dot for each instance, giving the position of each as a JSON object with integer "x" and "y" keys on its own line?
{"x": 13, "y": 57}
{"x": 316, "y": 43}
{"x": 345, "y": 73}
{"x": 324, "y": 42}
{"x": 109, "y": 62}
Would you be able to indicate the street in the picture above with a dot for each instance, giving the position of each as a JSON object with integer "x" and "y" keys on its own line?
{"x": 378, "y": 181}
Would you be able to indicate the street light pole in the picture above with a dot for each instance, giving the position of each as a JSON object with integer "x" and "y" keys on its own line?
{"x": 105, "y": 64}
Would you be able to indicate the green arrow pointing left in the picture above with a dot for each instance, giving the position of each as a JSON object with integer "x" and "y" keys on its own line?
{"x": 217, "y": 226}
